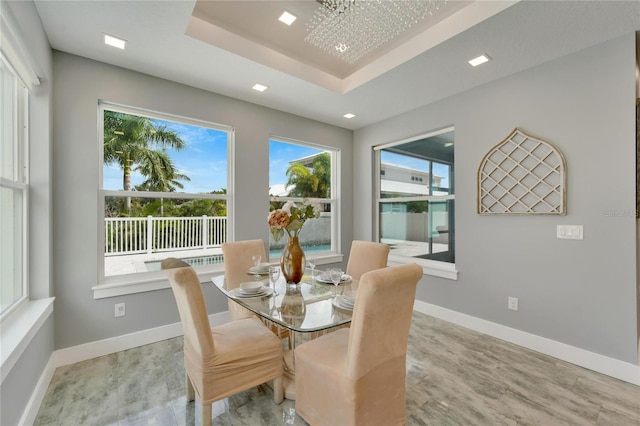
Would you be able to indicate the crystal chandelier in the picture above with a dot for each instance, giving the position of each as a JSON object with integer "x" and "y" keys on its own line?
{"x": 349, "y": 29}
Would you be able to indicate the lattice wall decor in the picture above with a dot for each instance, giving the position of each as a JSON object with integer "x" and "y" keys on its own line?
{"x": 522, "y": 175}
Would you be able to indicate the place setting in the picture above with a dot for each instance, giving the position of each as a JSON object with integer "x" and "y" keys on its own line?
{"x": 251, "y": 289}
{"x": 259, "y": 267}
{"x": 325, "y": 277}
{"x": 345, "y": 301}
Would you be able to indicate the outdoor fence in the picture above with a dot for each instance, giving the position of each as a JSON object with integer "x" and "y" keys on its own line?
{"x": 146, "y": 235}
{"x": 134, "y": 235}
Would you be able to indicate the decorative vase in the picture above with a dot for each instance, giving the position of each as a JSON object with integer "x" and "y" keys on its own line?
{"x": 293, "y": 308}
{"x": 292, "y": 261}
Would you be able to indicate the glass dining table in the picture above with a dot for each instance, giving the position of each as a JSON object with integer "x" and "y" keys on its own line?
{"x": 306, "y": 309}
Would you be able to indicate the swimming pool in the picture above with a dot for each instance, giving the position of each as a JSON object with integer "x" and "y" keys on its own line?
{"x": 154, "y": 265}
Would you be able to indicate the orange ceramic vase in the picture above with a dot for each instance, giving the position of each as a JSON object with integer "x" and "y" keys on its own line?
{"x": 292, "y": 261}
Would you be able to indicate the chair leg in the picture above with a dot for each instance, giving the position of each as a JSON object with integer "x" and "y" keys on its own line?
{"x": 191, "y": 393}
{"x": 278, "y": 389}
{"x": 206, "y": 414}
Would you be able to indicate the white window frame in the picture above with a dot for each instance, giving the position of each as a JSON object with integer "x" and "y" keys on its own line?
{"x": 110, "y": 286}
{"x": 429, "y": 266}
{"x": 335, "y": 254}
{"x": 20, "y": 180}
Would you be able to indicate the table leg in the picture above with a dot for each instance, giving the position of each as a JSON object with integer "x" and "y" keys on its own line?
{"x": 290, "y": 368}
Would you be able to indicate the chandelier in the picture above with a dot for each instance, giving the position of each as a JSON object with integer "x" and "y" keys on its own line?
{"x": 350, "y": 29}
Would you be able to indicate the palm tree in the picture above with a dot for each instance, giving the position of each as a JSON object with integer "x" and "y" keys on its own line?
{"x": 130, "y": 142}
{"x": 161, "y": 174}
{"x": 313, "y": 182}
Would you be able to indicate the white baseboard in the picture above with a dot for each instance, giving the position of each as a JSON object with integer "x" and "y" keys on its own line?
{"x": 87, "y": 351}
{"x": 33, "y": 405}
{"x": 602, "y": 364}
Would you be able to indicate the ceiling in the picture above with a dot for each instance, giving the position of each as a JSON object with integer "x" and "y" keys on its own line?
{"x": 227, "y": 46}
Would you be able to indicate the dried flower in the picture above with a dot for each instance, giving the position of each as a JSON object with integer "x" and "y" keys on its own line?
{"x": 291, "y": 217}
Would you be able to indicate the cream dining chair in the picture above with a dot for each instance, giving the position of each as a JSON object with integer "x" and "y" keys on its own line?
{"x": 237, "y": 257}
{"x": 366, "y": 256}
{"x": 226, "y": 359}
{"x": 356, "y": 376}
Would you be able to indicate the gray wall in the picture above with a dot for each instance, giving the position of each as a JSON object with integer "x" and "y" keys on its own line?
{"x": 18, "y": 386}
{"x": 79, "y": 84}
{"x": 20, "y": 383}
{"x": 582, "y": 293}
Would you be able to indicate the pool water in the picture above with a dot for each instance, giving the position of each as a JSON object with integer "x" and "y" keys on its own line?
{"x": 154, "y": 265}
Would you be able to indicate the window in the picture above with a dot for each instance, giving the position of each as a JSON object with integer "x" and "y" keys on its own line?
{"x": 13, "y": 188}
{"x": 416, "y": 198}
{"x": 301, "y": 171}
{"x": 165, "y": 191}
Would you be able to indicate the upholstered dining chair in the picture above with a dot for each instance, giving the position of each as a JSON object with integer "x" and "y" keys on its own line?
{"x": 237, "y": 257}
{"x": 226, "y": 359}
{"x": 356, "y": 376}
{"x": 366, "y": 256}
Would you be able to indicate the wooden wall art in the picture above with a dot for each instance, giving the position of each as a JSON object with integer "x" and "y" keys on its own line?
{"x": 522, "y": 175}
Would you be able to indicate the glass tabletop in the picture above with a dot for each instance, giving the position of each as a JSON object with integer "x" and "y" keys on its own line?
{"x": 304, "y": 307}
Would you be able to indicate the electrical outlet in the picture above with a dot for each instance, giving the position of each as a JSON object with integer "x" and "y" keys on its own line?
{"x": 513, "y": 303}
{"x": 120, "y": 312}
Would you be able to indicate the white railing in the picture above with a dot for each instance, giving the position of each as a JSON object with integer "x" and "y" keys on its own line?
{"x": 131, "y": 235}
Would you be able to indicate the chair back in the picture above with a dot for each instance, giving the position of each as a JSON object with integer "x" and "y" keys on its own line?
{"x": 381, "y": 318}
{"x": 191, "y": 306}
{"x": 237, "y": 260}
{"x": 366, "y": 256}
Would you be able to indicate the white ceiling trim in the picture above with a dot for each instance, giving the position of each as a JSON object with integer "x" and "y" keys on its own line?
{"x": 459, "y": 22}
{"x": 219, "y": 37}
{"x": 451, "y": 26}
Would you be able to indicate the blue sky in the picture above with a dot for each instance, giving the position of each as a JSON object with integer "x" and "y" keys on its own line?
{"x": 281, "y": 154}
{"x": 417, "y": 164}
{"x": 204, "y": 160}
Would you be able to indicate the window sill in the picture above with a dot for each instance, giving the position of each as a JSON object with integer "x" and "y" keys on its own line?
{"x": 19, "y": 329}
{"x": 152, "y": 281}
{"x": 429, "y": 267}
{"x": 128, "y": 284}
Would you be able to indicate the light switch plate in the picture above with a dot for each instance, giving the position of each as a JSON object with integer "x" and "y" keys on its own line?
{"x": 569, "y": 232}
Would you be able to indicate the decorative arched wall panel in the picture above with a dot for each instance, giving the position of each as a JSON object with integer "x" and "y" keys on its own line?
{"x": 522, "y": 175}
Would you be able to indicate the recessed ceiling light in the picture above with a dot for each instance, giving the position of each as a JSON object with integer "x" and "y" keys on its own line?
{"x": 260, "y": 87}
{"x": 349, "y": 115}
{"x": 479, "y": 60}
{"x": 448, "y": 144}
{"x": 287, "y": 18}
{"x": 114, "y": 41}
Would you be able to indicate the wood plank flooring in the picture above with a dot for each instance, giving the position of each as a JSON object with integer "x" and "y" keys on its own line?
{"x": 455, "y": 376}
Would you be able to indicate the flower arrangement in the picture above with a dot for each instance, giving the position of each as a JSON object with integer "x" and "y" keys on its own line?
{"x": 291, "y": 217}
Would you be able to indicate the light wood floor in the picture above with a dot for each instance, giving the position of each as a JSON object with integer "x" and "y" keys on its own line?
{"x": 454, "y": 377}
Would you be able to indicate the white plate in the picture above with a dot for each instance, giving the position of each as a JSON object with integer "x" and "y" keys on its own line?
{"x": 345, "y": 301}
{"x": 250, "y": 287}
{"x": 262, "y": 269}
{"x": 239, "y": 294}
{"x": 339, "y": 304}
{"x": 325, "y": 279}
{"x": 350, "y": 296}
